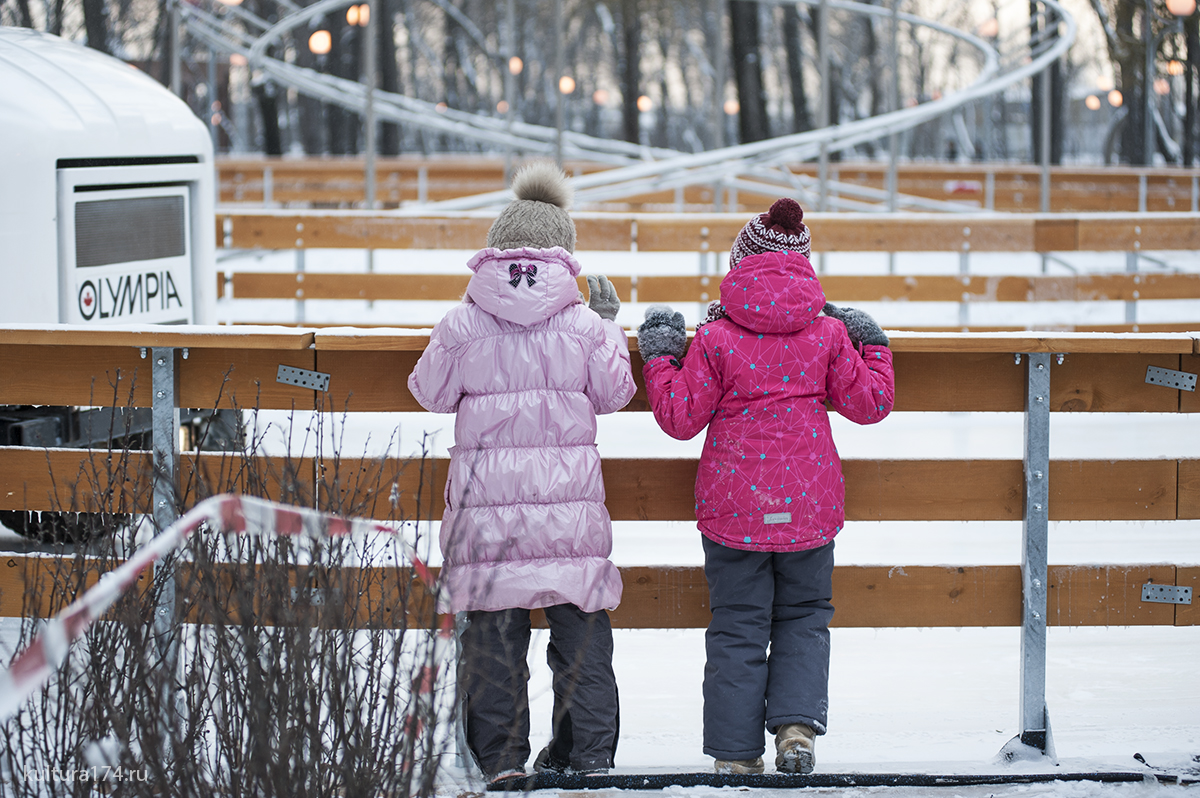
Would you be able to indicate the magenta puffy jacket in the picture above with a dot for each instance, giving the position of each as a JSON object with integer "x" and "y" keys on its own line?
{"x": 527, "y": 367}
{"x": 770, "y": 478}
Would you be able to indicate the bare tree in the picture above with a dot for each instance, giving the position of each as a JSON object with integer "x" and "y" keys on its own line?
{"x": 753, "y": 124}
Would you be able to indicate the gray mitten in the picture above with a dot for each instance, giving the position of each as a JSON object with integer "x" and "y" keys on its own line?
{"x": 602, "y": 297}
{"x": 662, "y": 333}
{"x": 861, "y": 327}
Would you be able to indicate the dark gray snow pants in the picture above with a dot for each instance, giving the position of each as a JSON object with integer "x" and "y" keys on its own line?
{"x": 761, "y": 599}
{"x": 494, "y": 676}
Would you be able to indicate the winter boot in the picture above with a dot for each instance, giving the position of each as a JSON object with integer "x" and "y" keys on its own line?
{"x": 739, "y": 765}
{"x": 546, "y": 763}
{"x": 794, "y": 748}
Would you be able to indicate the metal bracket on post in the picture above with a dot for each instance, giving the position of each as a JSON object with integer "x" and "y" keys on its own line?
{"x": 1034, "y": 740}
{"x": 165, "y": 413}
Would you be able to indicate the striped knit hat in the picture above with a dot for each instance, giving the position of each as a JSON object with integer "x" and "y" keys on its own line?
{"x": 780, "y": 229}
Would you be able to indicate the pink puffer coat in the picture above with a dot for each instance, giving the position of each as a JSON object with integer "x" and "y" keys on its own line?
{"x": 770, "y": 478}
{"x": 526, "y": 366}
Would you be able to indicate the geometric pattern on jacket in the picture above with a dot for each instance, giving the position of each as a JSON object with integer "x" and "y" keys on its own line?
{"x": 769, "y": 477}
{"x": 526, "y": 368}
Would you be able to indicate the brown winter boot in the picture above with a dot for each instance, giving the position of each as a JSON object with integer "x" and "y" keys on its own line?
{"x": 739, "y": 765}
{"x": 794, "y": 748}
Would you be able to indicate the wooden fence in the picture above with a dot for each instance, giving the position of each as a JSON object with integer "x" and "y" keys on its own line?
{"x": 340, "y": 182}
{"x": 367, "y": 372}
{"x": 1031, "y": 373}
{"x": 702, "y": 233}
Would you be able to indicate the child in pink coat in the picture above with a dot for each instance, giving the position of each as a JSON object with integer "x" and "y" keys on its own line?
{"x": 526, "y": 367}
{"x": 770, "y": 496}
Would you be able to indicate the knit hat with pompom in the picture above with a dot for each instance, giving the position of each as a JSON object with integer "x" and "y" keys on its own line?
{"x": 538, "y": 217}
{"x": 780, "y": 229}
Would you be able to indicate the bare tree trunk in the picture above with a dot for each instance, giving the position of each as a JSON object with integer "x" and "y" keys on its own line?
{"x": 451, "y": 68}
{"x": 747, "y": 68}
{"x": 1037, "y": 27}
{"x": 344, "y": 64}
{"x": 1130, "y": 57}
{"x": 162, "y": 44}
{"x": 389, "y": 77}
{"x": 1191, "y": 136}
{"x": 56, "y": 22}
{"x": 95, "y": 20}
{"x": 312, "y": 132}
{"x": 801, "y": 119}
{"x": 268, "y": 105}
{"x": 629, "y": 68}
{"x": 24, "y": 14}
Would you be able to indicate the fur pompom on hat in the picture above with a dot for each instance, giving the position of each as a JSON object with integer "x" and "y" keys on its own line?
{"x": 780, "y": 229}
{"x": 537, "y": 217}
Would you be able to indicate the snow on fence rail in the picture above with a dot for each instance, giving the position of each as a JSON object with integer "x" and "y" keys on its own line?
{"x": 704, "y": 233}
{"x": 1034, "y": 373}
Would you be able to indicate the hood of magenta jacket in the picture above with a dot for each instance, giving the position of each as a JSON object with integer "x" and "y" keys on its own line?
{"x": 775, "y": 292}
{"x": 524, "y": 286}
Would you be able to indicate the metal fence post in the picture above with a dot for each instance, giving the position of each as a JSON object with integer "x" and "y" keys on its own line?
{"x": 165, "y": 415}
{"x": 1034, "y": 716}
{"x": 1131, "y": 266}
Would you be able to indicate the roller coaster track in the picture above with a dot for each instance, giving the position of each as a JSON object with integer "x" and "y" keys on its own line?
{"x": 760, "y": 166}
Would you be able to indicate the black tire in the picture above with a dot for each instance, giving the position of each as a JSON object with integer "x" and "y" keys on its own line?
{"x": 59, "y": 527}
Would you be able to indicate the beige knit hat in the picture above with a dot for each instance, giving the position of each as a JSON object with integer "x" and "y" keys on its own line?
{"x": 538, "y": 216}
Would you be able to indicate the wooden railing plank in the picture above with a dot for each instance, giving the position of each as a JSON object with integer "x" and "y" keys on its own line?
{"x": 1039, "y": 341}
{"x": 139, "y": 335}
{"x": 374, "y": 381}
{"x": 637, "y": 489}
{"x": 73, "y": 375}
{"x": 1102, "y": 595}
{"x": 1189, "y": 489}
{"x": 958, "y": 381}
{"x": 715, "y": 232}
{"x": 702, "y": 288}
{"x": 1015, "y": 186}
{"x": 374, "y": 286}
{"x": 900, "y": 490}
{"x": 1188, "y": 614}
{"x": 667, "y": 597}
{"x": 1089, "y": 382}
{"x": 243, "y": 378}
{"x": 78, "y": 480}
{"x": 41, "y": 586}
{"x": 906, "y": 595}
{"x": 353, "y": 230}
{"x": 1103, "y": 490}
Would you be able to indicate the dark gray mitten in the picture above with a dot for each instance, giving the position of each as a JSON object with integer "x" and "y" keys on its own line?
{"x": 862, "y": 328}
{"x": 602, "y": 297}
{"x": 662, "y": 333}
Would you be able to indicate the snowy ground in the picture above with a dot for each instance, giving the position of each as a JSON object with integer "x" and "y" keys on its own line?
{"x": 924, "y": 700}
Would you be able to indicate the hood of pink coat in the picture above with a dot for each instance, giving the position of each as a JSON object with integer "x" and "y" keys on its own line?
{"x": 524, "y": 286}
{"x": 775, "y": 292}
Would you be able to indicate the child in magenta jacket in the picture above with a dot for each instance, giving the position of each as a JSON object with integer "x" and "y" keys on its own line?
{"x": 526, "y": 367}
{"x": 770, "y": 496}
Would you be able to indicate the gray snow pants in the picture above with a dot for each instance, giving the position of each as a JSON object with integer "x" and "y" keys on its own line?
{"x": 494, "y": 676}
{"x": 780, "y": 599}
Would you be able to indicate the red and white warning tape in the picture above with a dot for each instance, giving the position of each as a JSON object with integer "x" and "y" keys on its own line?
{"x": 31, "y": 669}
